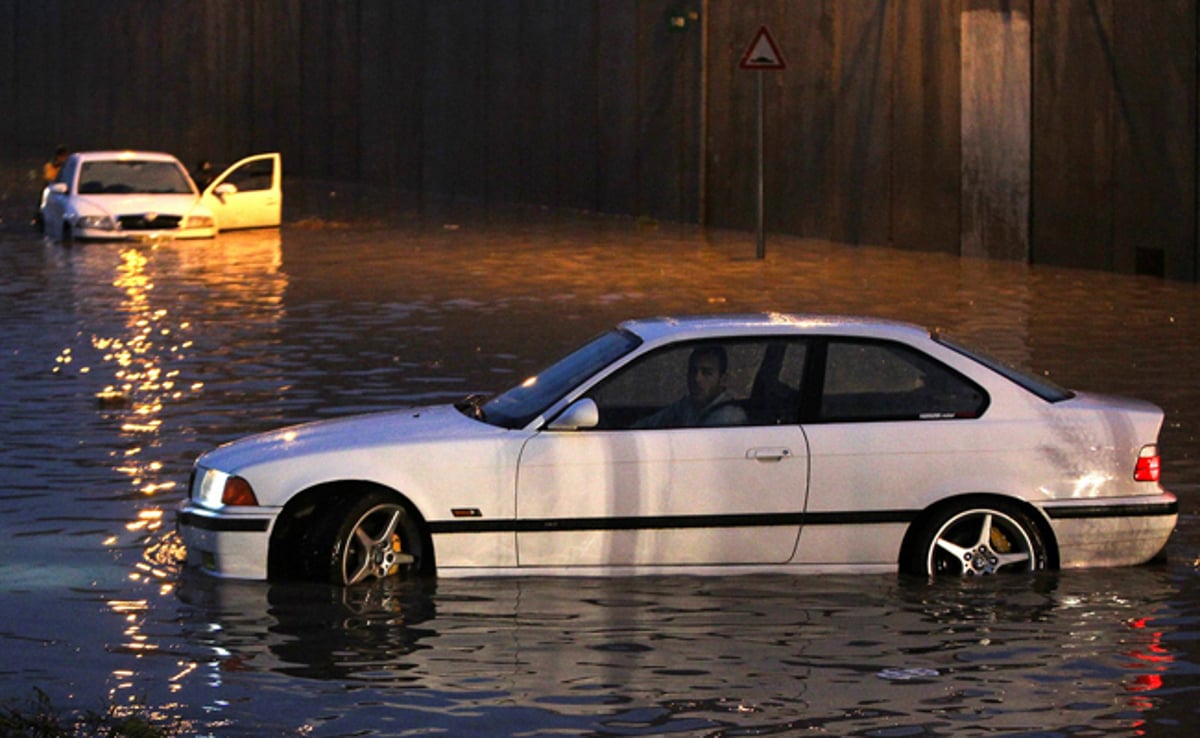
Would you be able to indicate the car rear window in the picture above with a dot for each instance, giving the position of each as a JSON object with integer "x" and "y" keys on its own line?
{"x": 1040, "y": 386}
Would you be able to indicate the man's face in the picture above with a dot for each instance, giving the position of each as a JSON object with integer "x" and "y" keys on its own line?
{"x": 705, "y": 380}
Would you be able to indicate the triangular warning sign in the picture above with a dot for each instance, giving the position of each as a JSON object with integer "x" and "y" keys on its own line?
{"x": 762, "y": 53}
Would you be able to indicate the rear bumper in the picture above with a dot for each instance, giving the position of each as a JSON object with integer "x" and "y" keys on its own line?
{"x": 1122, "y": 531}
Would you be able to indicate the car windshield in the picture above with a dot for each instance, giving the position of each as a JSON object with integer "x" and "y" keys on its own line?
{"x": 521, "y": 404}
{"x": 1040, "y": 386}
{"x": 120, "y": 177}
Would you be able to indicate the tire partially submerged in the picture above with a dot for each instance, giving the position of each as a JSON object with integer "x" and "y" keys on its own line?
{"x": 369, "y": 538}
{"x": 977, "y": 538}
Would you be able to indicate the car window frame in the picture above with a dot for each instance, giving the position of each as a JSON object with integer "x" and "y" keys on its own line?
{"x": 729, "y": 343}
{"x": 1042, "y": 387}
{"x": 813, "y": 391}
{"x": 540, "y": 406}
{"x": 183, "y": 178}
{"x": 232, "y": 171}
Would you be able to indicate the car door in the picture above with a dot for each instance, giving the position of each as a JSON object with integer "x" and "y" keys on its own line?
{"x": 888, "y": 430}
{"x": 623, "y": 495}
{"x": 248, "y": 194}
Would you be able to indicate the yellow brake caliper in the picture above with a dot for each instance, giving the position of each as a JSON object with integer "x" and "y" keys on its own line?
{"x": 397, "y": 548}
{"x": 999, "y": 541}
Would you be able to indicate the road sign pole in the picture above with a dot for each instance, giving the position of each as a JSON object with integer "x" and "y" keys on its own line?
{"x": 760, "y": 235}
{"x": 762, "y": 54}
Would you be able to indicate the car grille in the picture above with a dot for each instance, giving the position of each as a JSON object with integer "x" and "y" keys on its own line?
{"x": 142, "y": 222}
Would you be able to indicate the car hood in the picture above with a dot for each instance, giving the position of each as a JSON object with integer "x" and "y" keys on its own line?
{"x": 121, "y": 204}
{"x": 421, "y": 425}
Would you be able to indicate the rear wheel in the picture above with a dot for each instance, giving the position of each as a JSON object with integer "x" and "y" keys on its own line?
{"x": 372, "y": 537}
{"x": 973, "y": 538}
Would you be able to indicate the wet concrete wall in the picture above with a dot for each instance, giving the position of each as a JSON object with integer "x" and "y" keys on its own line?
{"x": 1060, "y": 132}
{"x": 582, "y": 104}
{"x": 996, "y": 132}
{"x": 1115, "y": 138}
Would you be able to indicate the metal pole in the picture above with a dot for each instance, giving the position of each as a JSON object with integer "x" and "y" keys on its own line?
{"x": 703, "y": 163}
{"x": 760, "y": 250}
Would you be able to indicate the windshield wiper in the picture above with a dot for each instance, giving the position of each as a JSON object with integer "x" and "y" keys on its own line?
{"x": 471, "y": 406}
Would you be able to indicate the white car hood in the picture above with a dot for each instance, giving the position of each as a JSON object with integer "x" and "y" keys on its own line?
{"x": 138, "y": 203}
{"x": 394, "y": 428}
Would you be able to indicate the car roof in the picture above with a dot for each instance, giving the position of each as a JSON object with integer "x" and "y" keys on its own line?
{"x": 653, "y": 330}
{"x": 123, "y": 154}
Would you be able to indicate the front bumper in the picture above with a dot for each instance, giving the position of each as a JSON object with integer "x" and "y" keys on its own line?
{"x": 226, "y": 544}
{"x": 165, "y": 234}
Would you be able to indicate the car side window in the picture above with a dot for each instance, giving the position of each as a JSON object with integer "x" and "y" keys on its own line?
{"x": 255, "y": 175}
{"x": 691, "y": 385}
{"x": 878, "y": 380}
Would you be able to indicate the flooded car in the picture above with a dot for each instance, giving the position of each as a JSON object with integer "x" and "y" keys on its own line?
{"x": 141, "y": 195}
{"x": 728, "y": 444}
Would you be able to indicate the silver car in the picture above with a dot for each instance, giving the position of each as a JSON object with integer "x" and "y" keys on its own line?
{"x": 725, "y": 444}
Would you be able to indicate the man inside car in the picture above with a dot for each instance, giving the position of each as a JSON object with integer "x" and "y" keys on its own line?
{"x": 707, "y": 402}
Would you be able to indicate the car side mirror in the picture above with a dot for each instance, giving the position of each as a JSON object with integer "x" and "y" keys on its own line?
{"x": 58, "y": 188}
{"x": 226, "y": 188}
{"x": 579, "y": 415}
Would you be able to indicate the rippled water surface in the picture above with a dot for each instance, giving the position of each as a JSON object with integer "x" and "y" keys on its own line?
{"x": 119, "y": 363}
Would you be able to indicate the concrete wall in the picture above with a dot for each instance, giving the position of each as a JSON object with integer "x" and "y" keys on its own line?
{"x": 1115, "y": 135}
{"x": 996, "y": 130}
{"x": 1059, "y": 132}
{"x": 576, "y": 103}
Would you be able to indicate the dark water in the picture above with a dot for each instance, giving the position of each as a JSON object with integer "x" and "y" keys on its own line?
{"x": 119, "y": 363}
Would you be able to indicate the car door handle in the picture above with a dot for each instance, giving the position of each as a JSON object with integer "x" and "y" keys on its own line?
{"x": 778, "y": 453}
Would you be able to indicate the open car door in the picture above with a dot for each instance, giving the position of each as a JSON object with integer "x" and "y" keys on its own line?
{"x": 248, "y": 194}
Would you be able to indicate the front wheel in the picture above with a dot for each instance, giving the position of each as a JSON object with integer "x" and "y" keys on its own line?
{"x": 372, "y": 538}
{"x": 978, "y": 539}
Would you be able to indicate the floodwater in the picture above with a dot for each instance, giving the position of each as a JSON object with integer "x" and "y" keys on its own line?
{"x": 120, "y": 362}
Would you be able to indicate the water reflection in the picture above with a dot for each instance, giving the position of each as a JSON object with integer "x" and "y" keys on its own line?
{"x": 311, "y": 631}
{"x": 134, "y": 342}
{"x": 758, "y": 654}
{"x": 148, "y": 360}
{"x": 122, "y": 362}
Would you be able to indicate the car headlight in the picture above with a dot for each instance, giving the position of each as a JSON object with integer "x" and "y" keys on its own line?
{"x": 96, "y": 222}
{"x": 212, "y": 486}
{"x": 199, "y": 221}
{"x": 218, "y": 489}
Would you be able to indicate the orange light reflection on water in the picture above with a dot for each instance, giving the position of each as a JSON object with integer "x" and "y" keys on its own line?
{"x": 145, "y": 357}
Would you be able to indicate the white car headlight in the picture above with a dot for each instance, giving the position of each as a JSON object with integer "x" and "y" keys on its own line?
{"x": 217, "y": 490}
{"x": 199, "y": 221}
{"x": 96, "y": 222}
{"x": 212, "y": 486}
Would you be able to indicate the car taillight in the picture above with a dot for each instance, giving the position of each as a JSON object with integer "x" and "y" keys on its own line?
{"x": 238, "y": 492}
{"x": 1149, "y": 465}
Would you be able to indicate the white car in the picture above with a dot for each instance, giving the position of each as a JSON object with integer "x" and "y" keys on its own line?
{"x": 727, "y": 444}
{"x": 143, "y": 195}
